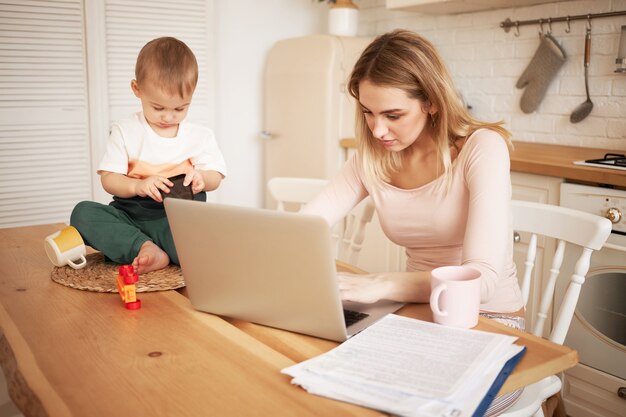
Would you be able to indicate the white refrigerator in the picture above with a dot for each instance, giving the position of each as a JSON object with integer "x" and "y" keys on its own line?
{"x": 307, "y": 109}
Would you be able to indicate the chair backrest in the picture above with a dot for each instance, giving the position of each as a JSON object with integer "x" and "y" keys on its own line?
{"x": 348, "y": 236}
{"x": 298, "y": 191}
{"x": 568, "y": 227}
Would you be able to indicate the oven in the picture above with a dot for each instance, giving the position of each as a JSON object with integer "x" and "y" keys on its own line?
{"x": 597, "y": 386}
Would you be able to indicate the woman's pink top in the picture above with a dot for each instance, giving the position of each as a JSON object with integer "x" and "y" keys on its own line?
{"x": 469, "y": 225}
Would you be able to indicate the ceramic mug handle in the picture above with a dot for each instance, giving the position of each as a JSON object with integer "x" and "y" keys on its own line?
{"x": 78, "y": 265}
{"x": 434, "y": 299}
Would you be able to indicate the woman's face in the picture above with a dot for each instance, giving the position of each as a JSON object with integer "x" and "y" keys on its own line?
{"x": 395, "y": 120}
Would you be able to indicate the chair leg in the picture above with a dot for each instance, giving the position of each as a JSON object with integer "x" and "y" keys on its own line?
{"x": 554, "y": 406}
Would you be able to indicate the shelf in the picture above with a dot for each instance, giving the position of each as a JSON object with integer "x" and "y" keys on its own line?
{"x": 458, "y": 6}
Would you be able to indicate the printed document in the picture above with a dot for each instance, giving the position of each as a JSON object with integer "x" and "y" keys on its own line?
{"x": 409, "y": 367}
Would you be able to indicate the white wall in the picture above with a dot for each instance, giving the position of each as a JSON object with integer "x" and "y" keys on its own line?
{"x": 245, "y": 32}
{"x": 484, "y": 60}
{"x": 486, "y": 63}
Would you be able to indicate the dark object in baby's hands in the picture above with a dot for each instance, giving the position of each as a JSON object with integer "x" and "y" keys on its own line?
{"x": 178, "y": 190}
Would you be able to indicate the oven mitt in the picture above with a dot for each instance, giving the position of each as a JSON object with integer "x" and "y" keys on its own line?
{"x": 546, "y": 62}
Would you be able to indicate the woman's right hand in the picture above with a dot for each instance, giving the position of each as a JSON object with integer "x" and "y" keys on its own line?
{"x": 362, "y": 288}
{"x": 405, "y": 287}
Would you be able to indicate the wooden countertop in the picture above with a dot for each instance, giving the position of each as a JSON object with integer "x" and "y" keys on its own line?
{"x": 558, "y": 161}
{"x": 555, "y": 161}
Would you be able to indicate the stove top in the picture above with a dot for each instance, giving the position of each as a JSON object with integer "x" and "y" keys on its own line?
{"x": 610, "y": 160}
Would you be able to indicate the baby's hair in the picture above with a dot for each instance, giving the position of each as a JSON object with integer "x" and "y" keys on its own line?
{"x": 170, "y": 64}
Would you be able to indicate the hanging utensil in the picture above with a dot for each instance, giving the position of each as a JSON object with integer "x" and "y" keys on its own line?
{"x": 585, "y": 107}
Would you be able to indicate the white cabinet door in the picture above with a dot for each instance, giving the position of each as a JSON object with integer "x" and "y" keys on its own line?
{"x": 45, "y": 164}
{"x": 65, "y": 75}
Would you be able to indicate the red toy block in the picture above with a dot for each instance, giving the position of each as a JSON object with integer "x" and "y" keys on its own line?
{"x": 126, "y": 280}
{"x": 134, "y": 305}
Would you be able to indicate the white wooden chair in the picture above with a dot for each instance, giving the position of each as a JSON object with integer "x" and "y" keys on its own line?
{"x": 349, "y": 237}
{"x": 569, "y": 227}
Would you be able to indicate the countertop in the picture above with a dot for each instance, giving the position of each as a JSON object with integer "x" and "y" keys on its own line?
{"x": 555, "y": 161}
{"x": 558, "y": 161}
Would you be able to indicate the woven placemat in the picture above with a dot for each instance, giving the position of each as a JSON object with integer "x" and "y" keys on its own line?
{"x": 101, "y": 276}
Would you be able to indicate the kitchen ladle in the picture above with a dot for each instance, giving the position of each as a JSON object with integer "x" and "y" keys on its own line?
{"x": 585, "y": 107}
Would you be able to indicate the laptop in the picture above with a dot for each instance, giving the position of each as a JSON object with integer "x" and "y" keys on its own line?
{"x": 268, "y": 267}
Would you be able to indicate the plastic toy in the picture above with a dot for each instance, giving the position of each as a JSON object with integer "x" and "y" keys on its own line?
{"x": 126, "y": 279}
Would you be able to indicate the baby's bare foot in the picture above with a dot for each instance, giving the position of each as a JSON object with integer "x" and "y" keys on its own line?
{"x": 150, "y": 258}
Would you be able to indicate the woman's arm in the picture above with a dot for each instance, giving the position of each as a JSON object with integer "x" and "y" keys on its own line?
{"x": 406, "y": 287}
{"x": 340, "y": 196}
{"x": 488, "y": 221}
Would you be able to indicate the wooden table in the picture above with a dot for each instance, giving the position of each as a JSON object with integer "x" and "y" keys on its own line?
{"x": 542, "y": 357}
{"x": 76, "y": 353}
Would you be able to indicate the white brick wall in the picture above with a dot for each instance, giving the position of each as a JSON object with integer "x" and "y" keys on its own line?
{"x": 486, "y": 62}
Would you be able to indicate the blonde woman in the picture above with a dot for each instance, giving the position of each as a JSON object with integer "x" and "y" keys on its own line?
{"x": 438, "y": 177}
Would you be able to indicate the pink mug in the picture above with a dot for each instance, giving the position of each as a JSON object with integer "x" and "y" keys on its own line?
{"x": 455, "y": 296}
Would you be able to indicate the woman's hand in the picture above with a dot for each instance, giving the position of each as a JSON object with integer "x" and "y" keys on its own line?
{"x": 152, "y": 187}
{"x": 363, "y": 288}
{"x": 405, "y": 287}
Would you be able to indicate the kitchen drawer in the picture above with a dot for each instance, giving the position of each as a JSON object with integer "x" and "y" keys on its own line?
{"x": 590, "y": 393}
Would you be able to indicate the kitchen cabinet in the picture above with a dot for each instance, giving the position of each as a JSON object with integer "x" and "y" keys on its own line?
{"x": 458, "y": 6}
{"x": 588, "y": 392}
{"x": 540, "y": 189}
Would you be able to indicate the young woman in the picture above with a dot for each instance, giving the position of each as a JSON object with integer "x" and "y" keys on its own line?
{"x": 438, "y": 177}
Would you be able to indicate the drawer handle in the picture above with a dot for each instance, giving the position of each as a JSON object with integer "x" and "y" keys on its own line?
{"x": 621, "y": 392}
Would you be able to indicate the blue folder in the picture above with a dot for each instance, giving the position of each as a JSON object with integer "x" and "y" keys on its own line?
{"x": 497, "y": 384}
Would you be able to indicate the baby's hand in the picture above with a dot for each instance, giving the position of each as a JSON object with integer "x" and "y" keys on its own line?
{"x": 194, "y": 178}
{"x": 150, "y": 186}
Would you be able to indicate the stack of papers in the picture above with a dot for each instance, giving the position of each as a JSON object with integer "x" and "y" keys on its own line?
{"x": 409, "y": 367}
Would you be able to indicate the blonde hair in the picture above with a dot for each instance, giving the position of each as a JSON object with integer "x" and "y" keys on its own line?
{"x": 405, "y": 60}
{"x": 170, "y": 64}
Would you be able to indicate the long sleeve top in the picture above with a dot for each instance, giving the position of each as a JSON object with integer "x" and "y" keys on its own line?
{"x": 469, "y": 224}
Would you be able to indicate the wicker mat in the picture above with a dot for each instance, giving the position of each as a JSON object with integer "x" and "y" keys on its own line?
{"x": 101, "y": 276}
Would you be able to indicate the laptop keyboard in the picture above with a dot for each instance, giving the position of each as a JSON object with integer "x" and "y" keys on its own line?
{"x": 352, "y": 316}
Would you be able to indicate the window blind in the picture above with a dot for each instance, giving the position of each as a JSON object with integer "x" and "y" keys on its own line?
{"x": 44, "y": 146}
{"x": 130, "y": 24}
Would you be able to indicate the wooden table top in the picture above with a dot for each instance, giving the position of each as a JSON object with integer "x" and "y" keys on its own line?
{"x": 542, "y": 357}
{"x": 80, "y": 353}
{"x": 73, "y": 353}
